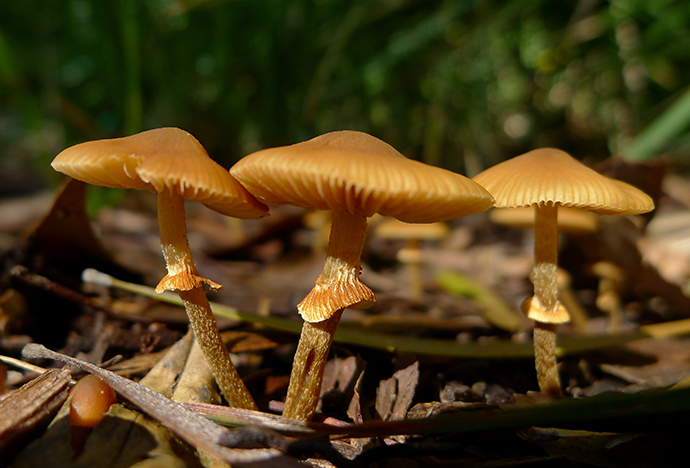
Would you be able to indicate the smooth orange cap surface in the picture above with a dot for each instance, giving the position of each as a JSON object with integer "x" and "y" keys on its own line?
{"x": 347, "y": 169}
{"x": 160, "y": 159}
{"x": 549, "y": 175}
{"x": 91, "y": 399}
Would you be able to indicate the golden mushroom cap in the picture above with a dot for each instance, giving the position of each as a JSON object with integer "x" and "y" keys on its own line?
{"x": 345, "y": 170}
{"x": 160, "y": 159}
{"x": 550, "y": 175}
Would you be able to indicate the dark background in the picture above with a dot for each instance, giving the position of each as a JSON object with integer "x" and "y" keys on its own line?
{"x": 461, "y": 84}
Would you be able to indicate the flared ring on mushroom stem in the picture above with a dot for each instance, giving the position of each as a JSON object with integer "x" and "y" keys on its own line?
{"x": 339, "y": 286}
{"x": 544, "y": 306}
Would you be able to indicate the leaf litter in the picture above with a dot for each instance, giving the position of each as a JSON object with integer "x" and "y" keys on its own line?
{"x": 620, "y": 396}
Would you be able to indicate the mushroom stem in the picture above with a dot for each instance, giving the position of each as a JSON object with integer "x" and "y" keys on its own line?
{"x": 345, "y": 245}
{"x": 411, "y": 255}
{"x": 182, "y": 273}
{"x": 545, "y": 358}
{"x": 337, "y": 287}
{"x": 546, "y": 257}
{"x": 211, "y": 343}
{"x": 307, "y": 369}
{"x": 546, "y": 296}
{"x": 183, "y": 277}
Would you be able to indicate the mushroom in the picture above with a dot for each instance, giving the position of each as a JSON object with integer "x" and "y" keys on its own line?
{"x": 547, "y": 179}
{"x": 411, "y": 254}
{"x": 354, "y": 175}
{"x": 173, "y": 163}
{"x": 566, "y": 294}
{"x": 319, "y": 222}
{"x": 90, "y": 399}
{"x": 612, "y": 280}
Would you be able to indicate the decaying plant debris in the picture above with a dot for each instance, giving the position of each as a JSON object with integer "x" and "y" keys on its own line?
{"x": 459, "y": 391}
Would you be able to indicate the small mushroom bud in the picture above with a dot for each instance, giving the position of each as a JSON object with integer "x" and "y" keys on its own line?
{"x": 90, "y": 400}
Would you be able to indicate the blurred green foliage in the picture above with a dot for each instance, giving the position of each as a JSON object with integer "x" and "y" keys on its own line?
{"x": 462, "y": 84}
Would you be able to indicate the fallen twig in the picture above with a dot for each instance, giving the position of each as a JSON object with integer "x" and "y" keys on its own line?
{"x": 427, "y": 346}
{"x": 189, "y": 426}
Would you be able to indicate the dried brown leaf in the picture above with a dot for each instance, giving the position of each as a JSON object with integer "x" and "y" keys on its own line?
{"x": 385, "y": 398}
{"x": 394, "y": 396}
{"x": 65, "y": 232}
{"x": 339, "y": 378}
{"x": 189, "y": 426}
{"x": 196, "y": 382}
{"x": 30, "y": 409}
{"x": 408, "y": 379}
{"x": 654, "y": 363}
{"x": 124, "y": 438}
{"x": 354, "y": 411}
{"x": 594, "y": 448}
{"x": 242, "y": 341}
{"x": 163, "y": 375}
